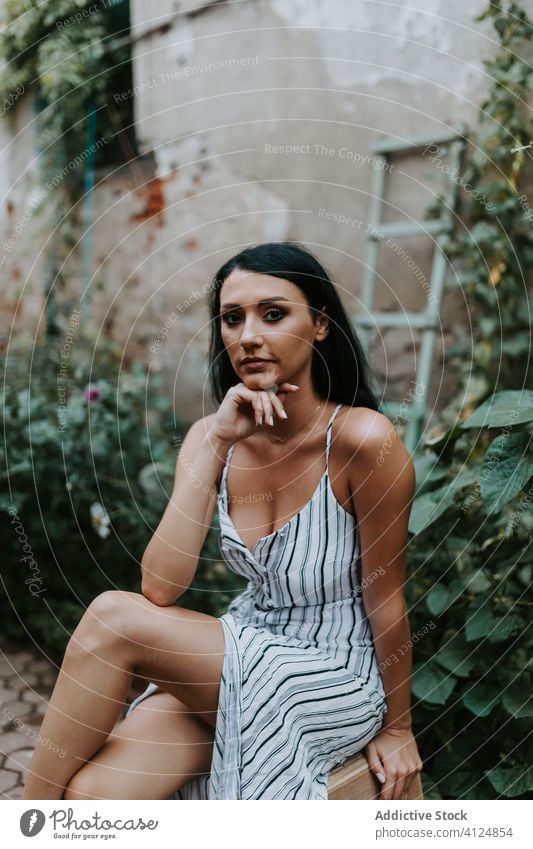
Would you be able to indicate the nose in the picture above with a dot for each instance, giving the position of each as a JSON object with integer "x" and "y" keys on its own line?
{"x": 250, "y": 334}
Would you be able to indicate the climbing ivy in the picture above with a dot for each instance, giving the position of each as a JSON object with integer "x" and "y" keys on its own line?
{"x": 71, "y": 62}
{"x": 470, "y": 553}
{"x": 70, "y": 56}
{"x": 492, "y": 250}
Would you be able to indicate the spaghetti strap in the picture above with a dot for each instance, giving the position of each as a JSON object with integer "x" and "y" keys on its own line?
{"x": 328, "y": 448}
{"x": 328, "y": 433}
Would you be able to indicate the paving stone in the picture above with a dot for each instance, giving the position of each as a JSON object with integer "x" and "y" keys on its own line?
{"x": 20, "y": 661}
{"x": 15, "y": 682}
{"x": 41, "y": 666}
{"x": 13, "y": 740}
{"x": 8, "y": 780}
{"x": 48, "y": 679}
{"x": 27, "y": 681}
{"x": 22, "y": 656}
{"x": 34, "y": 720}
{"x": 9, "y": 710}
{"x": 45, "y": 695}
{"x": 7, "y": 726}
{"x": 19, "y": 760}
{"x": 27, "y": 728}
{"x": 15, "y": 793}
{"x": 7, "y": 695}
{"x": 30, "y": 679}
{"x": 32, "y": 697}
{"x": 6, "y": 665}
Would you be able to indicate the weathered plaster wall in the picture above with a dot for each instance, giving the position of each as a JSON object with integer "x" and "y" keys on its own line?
{"x": 220, "y": 93}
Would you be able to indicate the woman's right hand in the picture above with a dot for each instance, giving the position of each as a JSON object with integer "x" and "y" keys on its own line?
{"x": 240, "y": 412}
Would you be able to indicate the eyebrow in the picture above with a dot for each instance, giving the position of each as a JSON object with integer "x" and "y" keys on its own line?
{"x": 260, "y": 303}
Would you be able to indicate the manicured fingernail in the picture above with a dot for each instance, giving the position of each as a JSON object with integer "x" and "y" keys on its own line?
{"x": 271, "y": 421}
{"x": 380, "y": 777}
{"x": 284, "y": 414}
{"x": 260, "y": 419}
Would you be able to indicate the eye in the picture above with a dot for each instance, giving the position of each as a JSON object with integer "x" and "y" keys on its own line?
{"x": 275, "y": 309}
{"x": 228, "y": 315}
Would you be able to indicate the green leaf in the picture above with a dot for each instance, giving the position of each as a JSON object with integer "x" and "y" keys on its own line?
{"x": 510, "y": 407}
{"x": 456, "y": 657}
{"x": 504, "y": 626}
{"x": 428, "y": 470}
{"x": 511, "y": 781}
{"x": 524, "y": 574}
{"x": 432, "y": 684}
{"x": 465, "y": 478}
{"x": 438, "y": 599}
{"x": 455, "y": 773}
{"x": 428, "y": 507}
{"x": 440, "y": 440}
{"x": 474, "y": 580}
{"x": 506, "y": 469}
{"x": 518, "y": 700}
{"x": 480, "y": 619}
{"x": 490, "y": 11}
{"x": 429, "y": 787}
{"x": 481, "y": 698}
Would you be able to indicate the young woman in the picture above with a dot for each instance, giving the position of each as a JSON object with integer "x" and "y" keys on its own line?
{"x": 311, "y": 663}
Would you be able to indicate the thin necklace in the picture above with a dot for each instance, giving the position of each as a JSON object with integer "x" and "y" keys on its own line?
{"x": 274, "y": 438}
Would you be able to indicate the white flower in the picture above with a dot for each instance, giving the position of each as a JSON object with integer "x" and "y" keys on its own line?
{"x": 100, "y": 520}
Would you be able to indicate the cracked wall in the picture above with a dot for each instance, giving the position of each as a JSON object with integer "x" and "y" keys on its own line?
{"x": 254, "y": 121}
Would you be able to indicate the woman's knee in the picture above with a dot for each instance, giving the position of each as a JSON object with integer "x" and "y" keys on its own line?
{"x": 149, "y": 754}
{"x": 83, "y": 785}
{"x": 107, "y": 621}
{"x": 115, "y": 606}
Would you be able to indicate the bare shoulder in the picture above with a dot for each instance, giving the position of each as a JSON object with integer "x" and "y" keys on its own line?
{"x": 380, "y": 468}
{"x": 371, "y": 439}
{"x": 360, "y": 426}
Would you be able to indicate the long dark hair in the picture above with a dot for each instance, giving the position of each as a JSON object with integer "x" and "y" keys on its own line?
{"x": 339, "y": 368}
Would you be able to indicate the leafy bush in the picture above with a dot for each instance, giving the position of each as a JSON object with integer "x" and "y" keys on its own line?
{"x": 471, "y": 560}
{"x": 86, "y": 488}
{"x": 72, "y": 55}
{"x": 472, "y": 518}
{"x": 492, "y": 250}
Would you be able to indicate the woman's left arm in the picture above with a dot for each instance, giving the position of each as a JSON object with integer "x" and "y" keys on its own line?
{"x": 383, "y": 487}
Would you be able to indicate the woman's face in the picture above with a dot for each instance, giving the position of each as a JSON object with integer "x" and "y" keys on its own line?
{"x": 280, "y": 331}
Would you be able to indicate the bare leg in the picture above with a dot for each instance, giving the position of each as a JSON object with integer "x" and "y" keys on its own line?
{"x": 157, "y": 749}
{"x": 181, "y": 650}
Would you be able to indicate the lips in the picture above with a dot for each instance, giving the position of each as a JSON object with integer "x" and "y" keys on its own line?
{"x": 251, "y": 360}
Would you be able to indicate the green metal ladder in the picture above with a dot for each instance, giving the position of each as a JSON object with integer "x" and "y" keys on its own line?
{"x": 367, "y": 321}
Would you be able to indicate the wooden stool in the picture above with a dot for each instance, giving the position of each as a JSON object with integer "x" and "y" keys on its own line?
{"x": 354, "y": 780}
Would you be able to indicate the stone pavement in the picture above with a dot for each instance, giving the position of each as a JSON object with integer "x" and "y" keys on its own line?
{"x": 26, "y": 683}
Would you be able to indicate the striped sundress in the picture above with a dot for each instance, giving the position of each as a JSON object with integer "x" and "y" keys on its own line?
{"x": 300, "y": 688}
